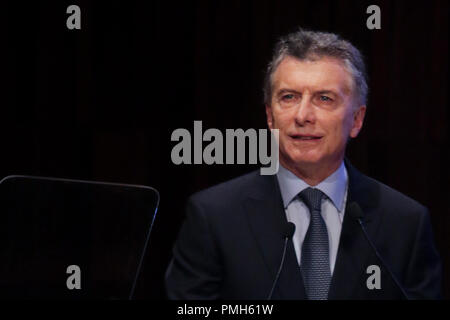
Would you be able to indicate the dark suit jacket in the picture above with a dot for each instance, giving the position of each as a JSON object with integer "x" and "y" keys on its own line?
{"x": 231, "y": 243}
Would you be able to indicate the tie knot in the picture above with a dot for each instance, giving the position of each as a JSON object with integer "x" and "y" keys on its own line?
{"x": 312, "y": 198}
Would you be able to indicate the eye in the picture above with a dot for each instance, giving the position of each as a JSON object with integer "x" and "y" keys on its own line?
{"x": 288, "y": 97}
{"x": 325, "y": 98}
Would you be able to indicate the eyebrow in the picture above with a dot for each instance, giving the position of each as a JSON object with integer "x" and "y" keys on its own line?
{"x": 326, "y": 92}
{"x": 284, "y": 90}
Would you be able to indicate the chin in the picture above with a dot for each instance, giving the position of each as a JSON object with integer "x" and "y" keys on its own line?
{"x": 304, "y": 159}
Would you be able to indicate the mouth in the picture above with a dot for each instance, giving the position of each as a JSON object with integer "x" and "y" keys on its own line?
{"x": 305, "y": 137}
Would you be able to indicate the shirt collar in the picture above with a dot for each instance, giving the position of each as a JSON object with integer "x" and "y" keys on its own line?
{"x": 334, "y": 186}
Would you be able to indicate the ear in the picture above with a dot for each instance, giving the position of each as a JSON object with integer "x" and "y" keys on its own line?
{"x": 358, "y": 120}
{"x": 269, "y": 117}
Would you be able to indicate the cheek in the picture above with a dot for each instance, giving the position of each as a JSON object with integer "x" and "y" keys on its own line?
{"x": 280, "y": 120}
{"x": 348, "y": 125}
{"x": 339, "y": 129}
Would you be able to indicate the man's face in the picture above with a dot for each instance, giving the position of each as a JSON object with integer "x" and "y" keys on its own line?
{"x": 313, "y": 107}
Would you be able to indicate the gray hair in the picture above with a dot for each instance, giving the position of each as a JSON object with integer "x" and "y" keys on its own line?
{"x": 311, "y": 45}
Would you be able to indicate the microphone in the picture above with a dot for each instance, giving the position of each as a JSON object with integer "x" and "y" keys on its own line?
{"x": 355, "y": 211}
{"x": 288, "y": 232}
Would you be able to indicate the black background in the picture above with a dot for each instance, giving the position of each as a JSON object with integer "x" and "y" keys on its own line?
{"x": 101, "y": 103}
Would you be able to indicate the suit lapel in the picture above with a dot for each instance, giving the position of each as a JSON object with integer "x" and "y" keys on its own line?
{"x": 354, "y": 250}
{"x": 267, "y": 219}
{"x": 266, "y": 216}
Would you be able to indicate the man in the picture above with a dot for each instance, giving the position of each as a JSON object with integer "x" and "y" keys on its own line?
{"x": 355, "y": 238}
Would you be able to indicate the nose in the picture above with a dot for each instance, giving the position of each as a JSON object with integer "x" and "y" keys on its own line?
{"x": 305, "y": 112}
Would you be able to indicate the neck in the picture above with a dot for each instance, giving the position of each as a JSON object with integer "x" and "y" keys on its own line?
{"x": 312, "y": 173}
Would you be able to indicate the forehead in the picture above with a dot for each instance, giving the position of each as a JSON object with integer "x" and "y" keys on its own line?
{"x": 321, "y": 74}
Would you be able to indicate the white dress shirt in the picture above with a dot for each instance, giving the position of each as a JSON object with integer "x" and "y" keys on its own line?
{"x": 332, "y": 209}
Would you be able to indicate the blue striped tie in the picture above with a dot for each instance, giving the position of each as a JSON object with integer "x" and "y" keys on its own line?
{"x": 315, "y": 261}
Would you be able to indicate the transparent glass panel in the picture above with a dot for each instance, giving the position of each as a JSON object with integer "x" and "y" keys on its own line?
{"x": 50, "y": 224}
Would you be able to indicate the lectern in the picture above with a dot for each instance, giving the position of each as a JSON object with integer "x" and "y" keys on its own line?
{"x": 72, "y": 239}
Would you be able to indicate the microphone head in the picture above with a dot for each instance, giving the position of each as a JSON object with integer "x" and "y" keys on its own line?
{"x": 355, "y": 210}
{"x": 289, "y": 230}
